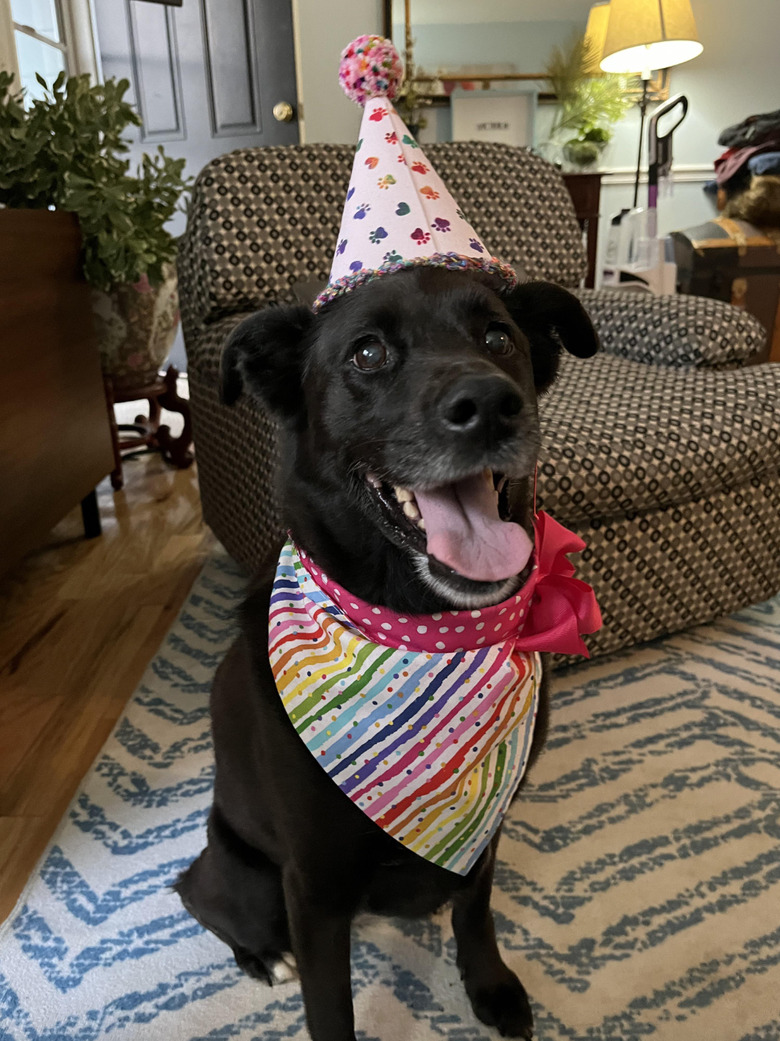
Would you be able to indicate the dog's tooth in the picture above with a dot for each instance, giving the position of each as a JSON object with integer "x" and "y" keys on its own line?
{"x": 411, "y": 511}
{"x": 373, "y": 480}
{"x": 403, "y": 494}
{"x": 421, "y": 524}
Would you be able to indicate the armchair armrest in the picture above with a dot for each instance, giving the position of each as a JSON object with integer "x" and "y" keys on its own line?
{"x": 679, "y": 331}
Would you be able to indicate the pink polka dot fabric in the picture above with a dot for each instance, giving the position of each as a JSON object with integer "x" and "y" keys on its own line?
{"x": 550, "y": 612}
{"x": 445, "y": 631}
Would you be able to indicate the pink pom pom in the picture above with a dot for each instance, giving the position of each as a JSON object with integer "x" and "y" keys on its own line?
{"x": 370, "y": 68}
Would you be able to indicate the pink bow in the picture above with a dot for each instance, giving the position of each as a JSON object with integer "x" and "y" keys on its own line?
{"x": 562, "y": 607}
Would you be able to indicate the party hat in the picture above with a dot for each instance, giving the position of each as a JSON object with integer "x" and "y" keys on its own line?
{"x": 398, "y": 213}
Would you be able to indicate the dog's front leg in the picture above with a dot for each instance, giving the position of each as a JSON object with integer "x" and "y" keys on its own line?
{"x": 320, "y": 932}
{"x": 496, "y": 994}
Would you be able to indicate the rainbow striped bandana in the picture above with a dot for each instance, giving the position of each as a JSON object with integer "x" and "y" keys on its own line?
{"x": 425, "y": 722}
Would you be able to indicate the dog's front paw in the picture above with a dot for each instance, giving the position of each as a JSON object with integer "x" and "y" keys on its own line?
{"x": 272, "y": 968}
{"x": 503, "y": 1004}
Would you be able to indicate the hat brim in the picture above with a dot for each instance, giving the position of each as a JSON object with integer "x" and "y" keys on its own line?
{"x": 450, "y": 261}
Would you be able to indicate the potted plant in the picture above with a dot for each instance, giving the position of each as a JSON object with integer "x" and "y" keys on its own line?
{"x": 414, "y": 96}
{"x": 588, "y": 106}
{"x": 66, "y": 151}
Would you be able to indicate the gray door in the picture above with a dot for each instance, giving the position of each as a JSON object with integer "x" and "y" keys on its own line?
{"x": 205, "y": 77}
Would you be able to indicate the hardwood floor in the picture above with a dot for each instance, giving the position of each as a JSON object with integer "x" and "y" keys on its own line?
{"x": 79, "y": 622}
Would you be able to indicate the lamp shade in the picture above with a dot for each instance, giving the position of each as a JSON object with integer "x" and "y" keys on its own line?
{"x": 649, "y": 34}
{"x": 595, "y": 35}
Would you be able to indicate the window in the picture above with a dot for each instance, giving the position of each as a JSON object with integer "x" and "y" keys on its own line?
{"x": 47, "y": 37}
{"x": 39, "y": 40}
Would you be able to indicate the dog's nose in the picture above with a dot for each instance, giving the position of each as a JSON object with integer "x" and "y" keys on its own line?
{"x": 481, "y": 404}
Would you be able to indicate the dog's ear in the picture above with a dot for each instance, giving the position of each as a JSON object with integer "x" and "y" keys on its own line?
{"x": 265, "y": 354}
{"x": 551, "y": 317}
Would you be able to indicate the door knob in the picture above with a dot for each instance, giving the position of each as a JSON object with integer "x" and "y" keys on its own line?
{"x": 283, "y": 112}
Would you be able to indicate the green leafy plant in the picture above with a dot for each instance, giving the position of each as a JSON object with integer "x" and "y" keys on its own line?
{"x": 414, "y": 92}
{"x": 66, "y": 151}
{"x": 588, "y": 106}
{"x": 413, "y": 97}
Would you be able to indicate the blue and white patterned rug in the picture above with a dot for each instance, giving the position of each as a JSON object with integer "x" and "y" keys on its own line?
{"x": 638, "y": 894}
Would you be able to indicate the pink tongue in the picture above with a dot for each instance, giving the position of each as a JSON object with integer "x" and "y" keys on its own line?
{"x": 465, "y": 532}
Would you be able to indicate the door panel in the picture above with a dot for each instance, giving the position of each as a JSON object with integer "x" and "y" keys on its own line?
{"x": 155, "y": 72}
{"x": 231, "y": 68}
{"x": 204, "y": 77}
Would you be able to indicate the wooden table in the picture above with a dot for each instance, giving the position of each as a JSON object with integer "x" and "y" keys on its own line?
{"x": 585, "y": 190}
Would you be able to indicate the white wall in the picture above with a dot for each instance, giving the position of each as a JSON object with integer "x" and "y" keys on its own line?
{"x": 323, "y": 28}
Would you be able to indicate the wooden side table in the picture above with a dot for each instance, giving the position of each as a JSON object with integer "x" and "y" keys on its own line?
{"x": 585, "y": 191}
{"x": 147, "y": 431}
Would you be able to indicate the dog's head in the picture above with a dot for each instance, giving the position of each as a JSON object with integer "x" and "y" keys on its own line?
{"x": 405, "y": 406}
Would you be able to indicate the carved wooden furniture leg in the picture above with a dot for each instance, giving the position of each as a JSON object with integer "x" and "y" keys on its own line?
{"x": 147, "y": 426}
{"x": 146, "y": 433}
{"x": 90, "y": 514}
{"x": 175, "y": 450}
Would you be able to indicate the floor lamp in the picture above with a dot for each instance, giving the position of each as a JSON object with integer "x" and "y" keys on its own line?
{"x": 643, "y": 35}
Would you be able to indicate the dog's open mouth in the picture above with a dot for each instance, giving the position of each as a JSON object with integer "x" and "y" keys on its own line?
{"x": 459, "y": 524}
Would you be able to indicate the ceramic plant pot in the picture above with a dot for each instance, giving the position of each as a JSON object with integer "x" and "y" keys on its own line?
{"x": 136, "y": 326}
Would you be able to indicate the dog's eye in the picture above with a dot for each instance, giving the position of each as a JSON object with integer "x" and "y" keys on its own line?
{"x": 498, "y": 340}
{"x": 370, "y": 355}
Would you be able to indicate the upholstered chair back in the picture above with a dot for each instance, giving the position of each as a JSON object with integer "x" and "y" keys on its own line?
{"x": 263, "y": 220}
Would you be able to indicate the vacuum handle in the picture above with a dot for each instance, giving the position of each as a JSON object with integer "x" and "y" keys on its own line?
{"x": 658, "y": 143}
{"x": 659, "y": 146}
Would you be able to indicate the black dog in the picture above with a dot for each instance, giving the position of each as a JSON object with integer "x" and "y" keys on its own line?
{"x": 421, "y": 379}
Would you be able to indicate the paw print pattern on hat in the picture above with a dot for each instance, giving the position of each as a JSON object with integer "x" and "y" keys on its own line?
{"x": 414, "y": 219}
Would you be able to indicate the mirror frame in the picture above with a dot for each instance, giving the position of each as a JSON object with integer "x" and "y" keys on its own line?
{"x": 658, "y": 87}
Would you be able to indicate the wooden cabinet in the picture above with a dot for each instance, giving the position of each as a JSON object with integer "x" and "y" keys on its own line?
{"x": 55, "y": 442}
{"x": 585, "y": 190}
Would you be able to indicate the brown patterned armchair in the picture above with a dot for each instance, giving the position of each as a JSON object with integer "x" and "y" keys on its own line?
{"x": 663, "y": 452}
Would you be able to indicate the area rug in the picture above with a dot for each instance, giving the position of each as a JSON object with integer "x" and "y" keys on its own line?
{"x": 638, "y": 890}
